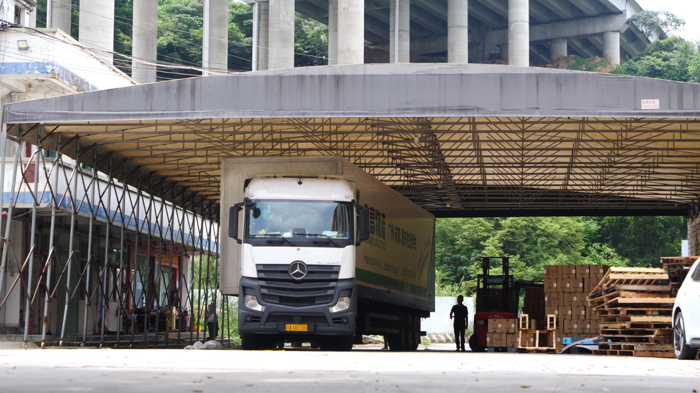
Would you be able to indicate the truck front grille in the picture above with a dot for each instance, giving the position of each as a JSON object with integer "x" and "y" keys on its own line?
{"x": 278, "y": 287}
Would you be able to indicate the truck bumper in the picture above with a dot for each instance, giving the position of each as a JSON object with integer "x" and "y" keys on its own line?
{"x": 317, "y": 318}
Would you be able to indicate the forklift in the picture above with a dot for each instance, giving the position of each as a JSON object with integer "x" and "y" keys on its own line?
{"x": 496, "y": 298}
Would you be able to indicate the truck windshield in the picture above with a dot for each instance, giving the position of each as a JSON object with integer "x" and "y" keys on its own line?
{"x": 299, "y": 219}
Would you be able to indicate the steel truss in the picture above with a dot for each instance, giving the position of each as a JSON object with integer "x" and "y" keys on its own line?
{"x": 87, "y": 232}
{"x": 450, "y": 166}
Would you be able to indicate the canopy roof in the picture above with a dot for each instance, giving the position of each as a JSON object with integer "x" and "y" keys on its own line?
{"x": 459, "y": 140}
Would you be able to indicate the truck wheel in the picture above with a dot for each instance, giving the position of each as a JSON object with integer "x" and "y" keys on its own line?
{"x": 474, "y": 344}
{"x": 413, "y": 339}
{"x": 247, "y": 342}
{"x": 345, "y": 343}
{"x": 394, "y": 342}
{"x": 404, "y": 332}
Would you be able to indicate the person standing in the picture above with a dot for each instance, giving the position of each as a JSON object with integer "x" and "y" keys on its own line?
{"x": 212, "y": 321}
{"x": 460, "y": 314}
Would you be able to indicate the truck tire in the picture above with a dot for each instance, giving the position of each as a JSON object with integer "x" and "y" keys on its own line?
{"x": 248, "y": 342}
{"x": 413, "y": 333}
{"x": 337, "y": 344}
{"x": 474, "y": 344}
{"x": 395, "y": 342}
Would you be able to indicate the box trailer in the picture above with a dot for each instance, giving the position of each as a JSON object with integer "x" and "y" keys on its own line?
{"x": 320, "y": 251}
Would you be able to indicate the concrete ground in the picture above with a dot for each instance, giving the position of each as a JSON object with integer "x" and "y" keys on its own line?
{"x": 435, "y": 368}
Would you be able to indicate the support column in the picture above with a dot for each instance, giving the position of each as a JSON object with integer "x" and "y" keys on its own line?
{"x": 60, "y": 14}
{"x": 560, "y": 48}
{"x": 97, "y": 27}
{"x": 458, "y": 31}
{"x": 332, "y": 32}
{"x": 215, "y": 45}
{"x": 400, "y": 42}
{"x": 263, "y": 35}
{"x": 281, "y": 51}
{"x": 351, "y": 31}
{"x": 611, "y": 47}
{"x": 145, "y": 45}
{"x": 519, "y": 32}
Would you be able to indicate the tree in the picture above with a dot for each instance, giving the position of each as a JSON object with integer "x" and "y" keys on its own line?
{"x": 656, "y": 24}
{"x": 673, "y": 58}
{"x": 643, "y": 240}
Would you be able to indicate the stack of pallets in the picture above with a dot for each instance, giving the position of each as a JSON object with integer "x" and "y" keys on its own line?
{"x": 677, "y": 269}
{"x": 635, "y": 307}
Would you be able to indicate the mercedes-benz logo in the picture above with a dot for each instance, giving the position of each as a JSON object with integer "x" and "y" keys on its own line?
{"x": 298, "y": 270}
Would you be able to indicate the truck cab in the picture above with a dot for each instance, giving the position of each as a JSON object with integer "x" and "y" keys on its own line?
{"x": 298, "y": 241}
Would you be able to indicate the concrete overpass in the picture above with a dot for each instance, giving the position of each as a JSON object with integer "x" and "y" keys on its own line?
{"x": 516, "y": 32}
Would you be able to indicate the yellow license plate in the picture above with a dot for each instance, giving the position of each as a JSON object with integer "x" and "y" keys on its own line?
{"x": 297, "y": 328}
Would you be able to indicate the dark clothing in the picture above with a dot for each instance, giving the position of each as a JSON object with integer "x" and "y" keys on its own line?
{"x": 213, "y": 330}
{"x": 459, "y": 336}
{"x": 461, "y": 313}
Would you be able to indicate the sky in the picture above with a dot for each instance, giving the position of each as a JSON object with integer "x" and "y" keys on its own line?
{"x": 689, "y": 10}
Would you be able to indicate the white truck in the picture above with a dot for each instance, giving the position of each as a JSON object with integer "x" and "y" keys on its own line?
{"x": 319, "y": 251}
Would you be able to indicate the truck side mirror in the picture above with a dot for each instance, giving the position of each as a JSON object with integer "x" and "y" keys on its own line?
{"x": 363, "y": 225}
{"x": 233, "y": 221}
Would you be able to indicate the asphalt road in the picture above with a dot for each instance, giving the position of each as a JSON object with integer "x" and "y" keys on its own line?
{"x": 366, "y": 369}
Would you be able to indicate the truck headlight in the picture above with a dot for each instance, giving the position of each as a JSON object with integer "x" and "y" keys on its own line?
{"x": 252, "y": 303}
{"x": 342, "y": 305}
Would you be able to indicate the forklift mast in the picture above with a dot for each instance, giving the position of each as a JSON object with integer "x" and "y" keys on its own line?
{"x": 496, "y": 293}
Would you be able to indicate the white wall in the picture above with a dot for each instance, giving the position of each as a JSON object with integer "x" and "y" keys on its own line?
{"x": 439, "y": 321}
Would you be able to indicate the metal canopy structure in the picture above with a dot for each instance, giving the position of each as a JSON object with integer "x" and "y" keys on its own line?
{"x": 429, "y": 23}
{"x": 460, "y": 140}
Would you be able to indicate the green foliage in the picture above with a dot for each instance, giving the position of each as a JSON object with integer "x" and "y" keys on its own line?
{"x": 643, "y": 240}
{"x": 656, "y": 24}
{"x": 311, "y": 42}
{"x": 673, "y": 59}
{"x": 586, "y": 64}
{"x": 533, "y": 242}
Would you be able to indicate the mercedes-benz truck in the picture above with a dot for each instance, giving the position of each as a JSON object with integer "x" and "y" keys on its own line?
{"x": 319, "y": 251}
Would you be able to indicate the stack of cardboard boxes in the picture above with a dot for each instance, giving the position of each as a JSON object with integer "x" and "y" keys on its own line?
{"x": 502, "y": 333}
{"x": 533, "y": 306}
{"x": 565, "y": 290}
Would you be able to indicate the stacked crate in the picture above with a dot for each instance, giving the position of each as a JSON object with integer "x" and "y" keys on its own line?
{"x": 533, "y": 306}
{"x": 635, "y": 307}
{"x": 565, "y": 291}
{"x": 677, "y": 269}
{"x": 502, "y": 333}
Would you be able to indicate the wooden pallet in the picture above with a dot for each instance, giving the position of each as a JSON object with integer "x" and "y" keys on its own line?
{"x": 629, "y": 277}
{"x": 644, "y": 354}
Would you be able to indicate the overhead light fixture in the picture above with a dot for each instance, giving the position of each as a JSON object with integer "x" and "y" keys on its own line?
{"x": 22, "y": 45}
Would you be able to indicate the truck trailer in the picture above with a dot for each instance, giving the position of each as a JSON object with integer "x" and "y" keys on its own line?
{"x": 319, "y": 251}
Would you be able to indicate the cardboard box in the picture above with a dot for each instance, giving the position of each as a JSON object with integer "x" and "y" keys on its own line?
{"x": 570, "y": 272}
{"x": 583, "y": 271}
{"x": 510, "y": 326}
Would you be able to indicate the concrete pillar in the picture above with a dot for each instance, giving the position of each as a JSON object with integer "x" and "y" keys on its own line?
{"x": 96, "y": 26}
{"x": 60, "y": 14}
{"x": 281, "y": 51}
{"x": 458, "y": 31}
{"x": 560, "y": 48}
{"x": 215, "y": 40}
{"x": 611, "y": 47}
{"x": 332, "y": 32}
{"x": 351, "y": 31}
{"x": 519, "y": 32}
{"x": 145, "y": 45}
{"x": 403, "y": 44}
{"x": 503, "y": 52}
{"x": 263, "y": 30}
